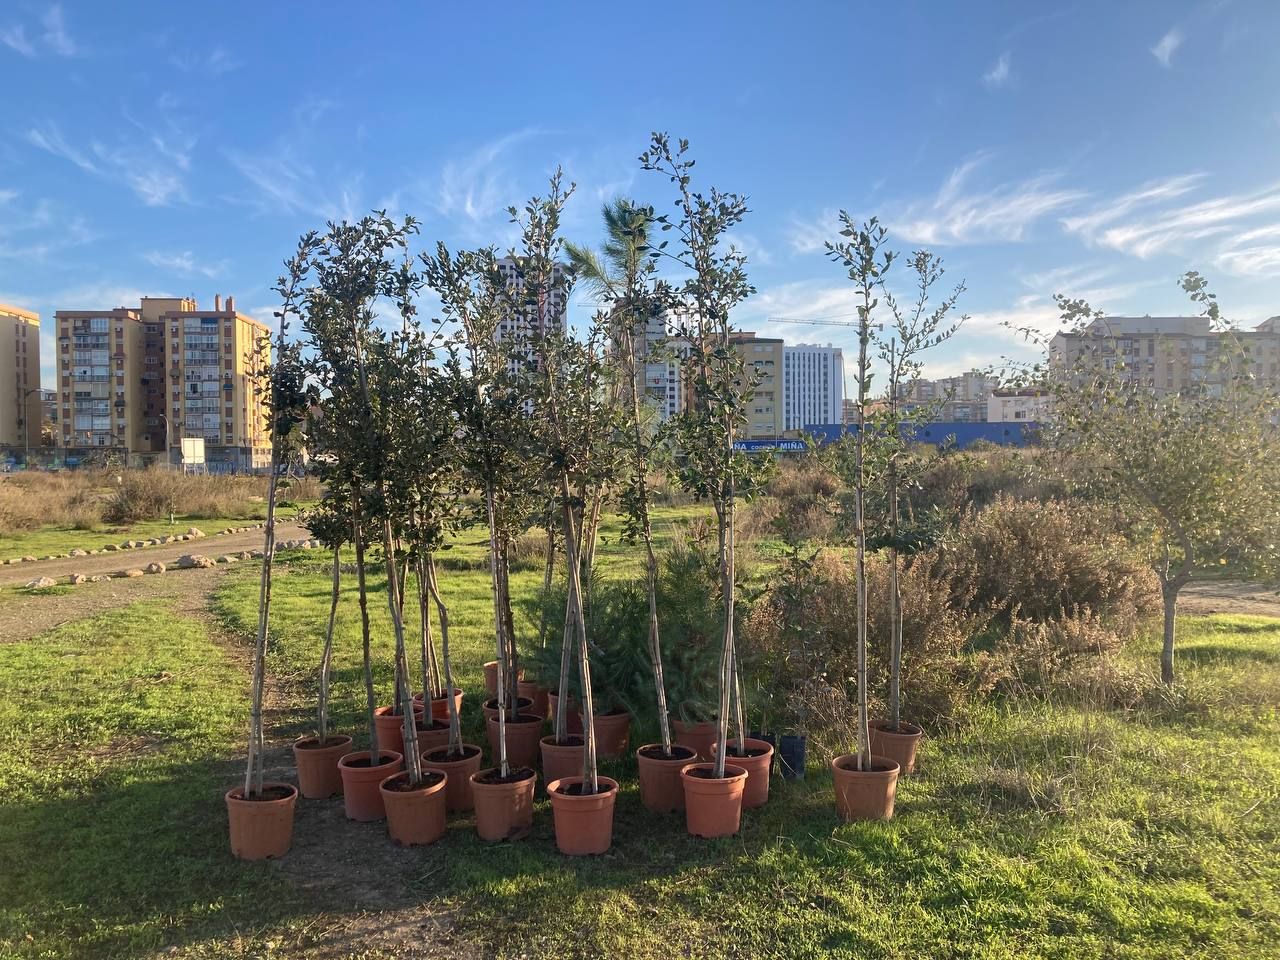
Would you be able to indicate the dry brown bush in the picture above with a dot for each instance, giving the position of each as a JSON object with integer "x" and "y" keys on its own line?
{"x": 152, "y": 494}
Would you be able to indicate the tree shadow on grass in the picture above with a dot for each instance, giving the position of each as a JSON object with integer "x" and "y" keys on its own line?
{"x": 1209, "y": 653}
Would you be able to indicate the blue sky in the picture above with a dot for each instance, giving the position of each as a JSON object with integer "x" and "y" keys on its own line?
{"x": 1096, "y": 149}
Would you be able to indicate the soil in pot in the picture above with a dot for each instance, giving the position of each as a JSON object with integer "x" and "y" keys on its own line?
{"x": 613, "y": 730}
{"x": 758, "y": 762}
{"x": 523, "y": 733}
{"x": 864, "y": 794}
{"x": 459, "y": 767}
{"x": 262, "y": 825}
{"x": 503, "y": 805}
{"x": 661, "y": 789}
{"x": 360, "y": 795}
{"x": 317, "y": 765}
{"x": 713, "y": 805}
{"x": 561, "y": 760}
{"x": 415, "y": 811}
{"x": 898, "y": 745}
{"x": 491, "y": 677}
{"x": 698, "y": 737}
{"x": 584, "y": 821}
{"x": 572, "y": 718}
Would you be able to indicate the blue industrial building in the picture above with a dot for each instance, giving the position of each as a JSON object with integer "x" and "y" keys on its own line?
{"x": 957, "y": 434}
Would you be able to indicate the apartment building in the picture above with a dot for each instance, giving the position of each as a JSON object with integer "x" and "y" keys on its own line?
{"x": 659, "y": 371}
{"x": 20, "y": 395}
{"x": 813, "y": 385}
{"x": 765, "y": 410}
{"x": 528, "y": 317}
{"x": 959, "y": 399}
{"x": 1167, "y": 354}
{"x": 1018, "y": 406}
{"x": 140, "y": 379}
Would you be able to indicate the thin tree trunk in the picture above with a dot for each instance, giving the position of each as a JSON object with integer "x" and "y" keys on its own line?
{"x": 395, "y": 603}
{"x": 504, "y": 768}
{"x": 895, "y": 641}
{"x": 547, "y": 573}
{"x": 860, "y": 521}
{"x": 326, "y": 659}
{"x": 357, "y": 529}
{"x": 566, "y": 659}
{"x": 430, "y": 683}
{"x": 1169, "y": 594}
{"x": 455, "y": 727}
{"x": 589, "y": 772}
{"x": 253, "y": 773}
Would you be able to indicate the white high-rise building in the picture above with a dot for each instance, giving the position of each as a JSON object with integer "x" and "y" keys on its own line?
{"x": 527, "y": 320}
{"x": 813, "y": 385}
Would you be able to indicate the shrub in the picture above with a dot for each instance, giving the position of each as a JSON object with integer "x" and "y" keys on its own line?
{"x": 1041, "y": 562}
{"x": 152, "y": 494}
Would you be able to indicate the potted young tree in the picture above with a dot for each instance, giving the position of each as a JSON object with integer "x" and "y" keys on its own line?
{"x": 864, "y": 784}
{"x": 708, "y": 465}
{"x": 316, "y": 756}
{"x": 621, "y": 276}
{"x": 914, "y": 329}
{"x": 573, "y": 426}
{"x": 493, "y": 450}
{"x": 260, "y": 813}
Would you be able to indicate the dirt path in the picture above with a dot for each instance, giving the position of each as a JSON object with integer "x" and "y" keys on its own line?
{"x": 1229, "y": 596}
{"x": 212, "y": 546}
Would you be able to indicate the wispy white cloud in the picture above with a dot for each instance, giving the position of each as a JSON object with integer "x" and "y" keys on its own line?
{"x": 55, "y": 32}
{"x": 479, "y": 185}
{"x": 809, "y": 236}
{"x": 36, "y": 231}
{"x": 184, "y": 263}
{"x": 1254, "y": 253}
{"x": 1143, "y": 224}
{"x": 154, "y": 171}
{"x": 214, "y": 62}
{"x": 1167, "y": 46}
{"x": 998, "y": 74}
{"x": 1004, "y": 213}
{"x": 15, "y": 38}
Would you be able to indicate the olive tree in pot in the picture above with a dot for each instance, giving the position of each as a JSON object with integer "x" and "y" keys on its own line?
{"x": 349, "y": 357}
{"x": 574, "y": 426}
{"x": 914, "y": 327}
{"x": 707, "y": 463}
{"x": 493, "y": 452}
{"x": 260, "y": 813}
{"x": 316, "y": 756}
{"x": 621, "y": 275}
{"x": 865, "y": 785}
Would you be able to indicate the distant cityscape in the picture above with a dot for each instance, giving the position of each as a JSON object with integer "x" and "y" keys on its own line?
{"x": 138, "y": 380}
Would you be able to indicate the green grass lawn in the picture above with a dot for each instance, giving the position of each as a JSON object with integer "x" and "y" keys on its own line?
{"x": 1033, "y": 829}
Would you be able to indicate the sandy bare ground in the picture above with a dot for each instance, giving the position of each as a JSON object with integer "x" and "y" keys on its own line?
{"x": 211, "y": 546}
{"x": 1230, "y": 596}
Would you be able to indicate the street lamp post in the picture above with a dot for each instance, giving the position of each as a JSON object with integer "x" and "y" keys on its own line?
{"x": 26, "y": 425}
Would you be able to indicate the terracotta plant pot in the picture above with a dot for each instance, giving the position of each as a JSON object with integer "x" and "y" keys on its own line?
{"x": 490, "y": 707}
{"x": 561, "y": 760}
{"x": 457, "y": 791}
{"x": 391, "y": 728}
{"x": 433, "y": 737}
{"x": 712, "y": 806}
{"x": 613, "y": 730}
{"x": 698, "y": 737}
{"x": 440, "y": 705}
{"x": 898, "y": 745}
{"x": 523, "y": 733}
{"x": 491, "y": 677}
{"x": 759, "y": 766}
{"x": 261, "y": 828}
{"x": 415, "y": 815}
{"x": 572, "y": 718}
{"x": 504, "y": 809}
{"x": 584, "y": 822}
{"x": 360, "y": 781}
{"x": 661, "y": 789}
{"x": 317, "y": 765}
{"x": 864, "y": 794}
{"x": 536, "y": 694}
